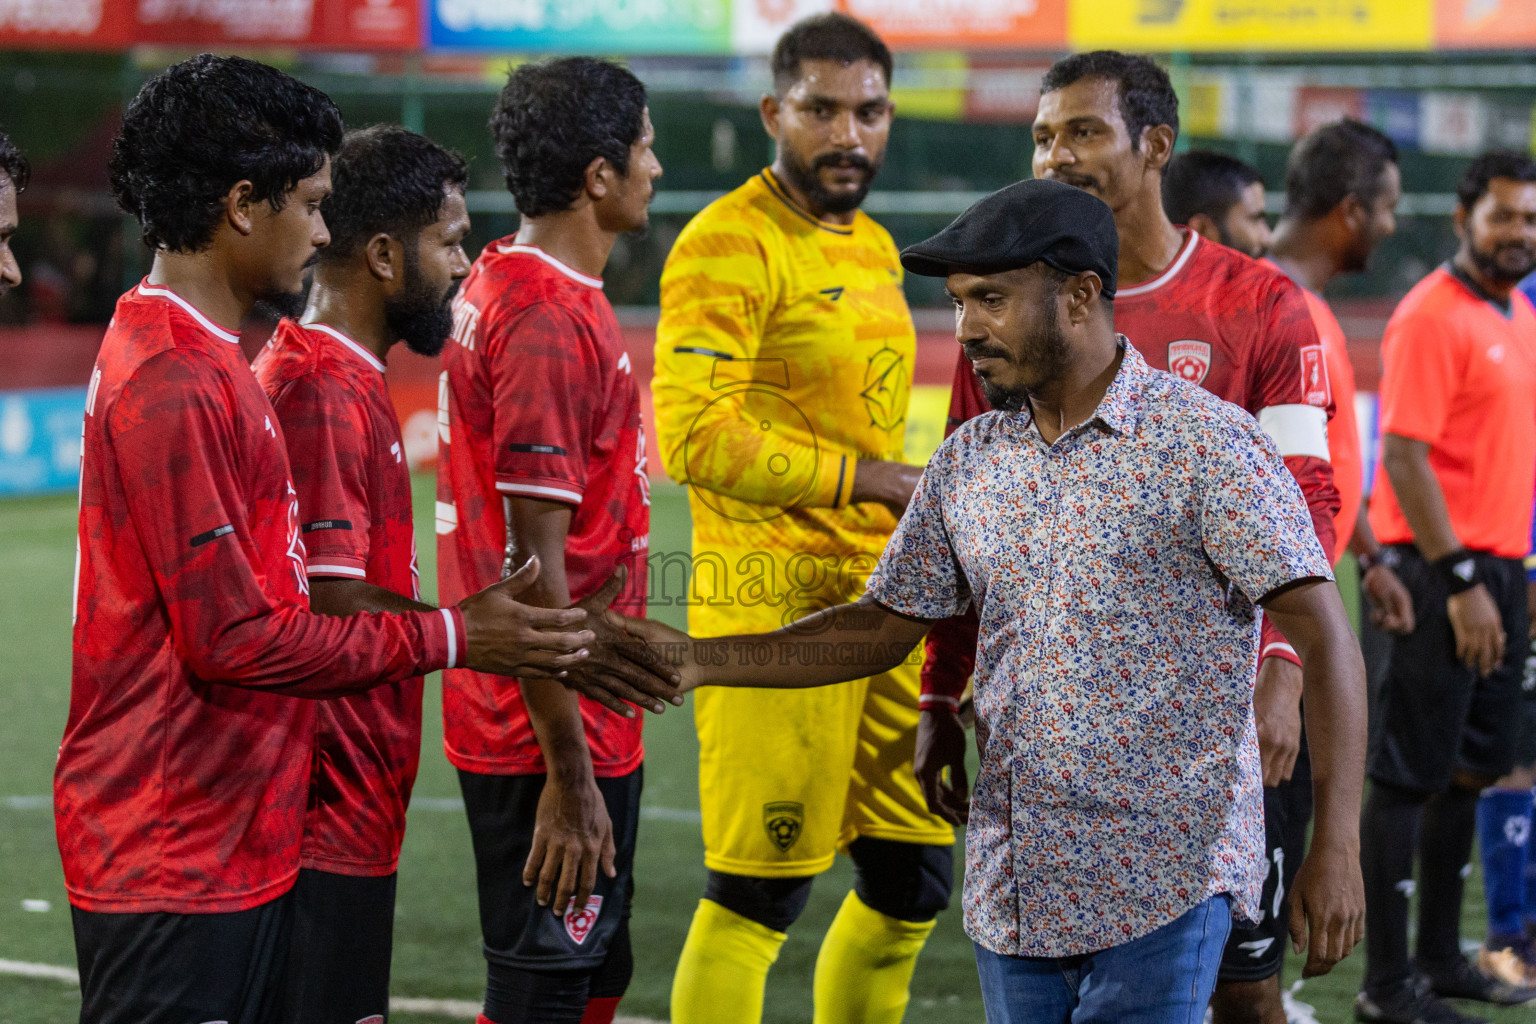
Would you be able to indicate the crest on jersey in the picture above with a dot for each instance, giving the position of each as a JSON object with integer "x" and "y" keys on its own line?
{"x": 578, "y": 923}
{"x": 784, "y": 821}
{"x": 1190, "y": 360}
{"x": 1314, "y": 377}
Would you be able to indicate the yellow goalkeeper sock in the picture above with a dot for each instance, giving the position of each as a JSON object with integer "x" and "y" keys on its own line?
{"x": 864, "y": 971}
{"x": 723, "y": 968}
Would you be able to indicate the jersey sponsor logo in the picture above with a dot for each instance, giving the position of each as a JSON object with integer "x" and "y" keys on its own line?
{"x": 1257, "y": 948}
{"x": 213, "y": 534}
{"x": 784, "y": 821}
{"x": 1190, "y": 359}
{"x": 642, "y": 475}
{"x": 887, "y": 388}
{"x": 578, "y": 923}
{"x": 327, "y": 524}
{"x": 832, "y": 293}
{"x": 625, "y": 365}
{"x": 268, "y": 426}
{"x": 394, "y": 450}
{"x": 1314, "y": 376}
{"x": 466, "y": 323}
{"x": 536, "y": 449}
{"x": 296, "y": 554}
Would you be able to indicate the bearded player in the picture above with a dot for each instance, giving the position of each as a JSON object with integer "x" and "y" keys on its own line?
{"x": 783, "y": 364}
{"x": 542, "y": 454}
{"x": 14, "y": 172}
{"x": 397, "y": 219}
{"x": 185, "y": 765}
{"x": 1106, "y": 124}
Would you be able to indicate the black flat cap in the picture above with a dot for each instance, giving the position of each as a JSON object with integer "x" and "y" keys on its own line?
{"x": 1035, "y": 221}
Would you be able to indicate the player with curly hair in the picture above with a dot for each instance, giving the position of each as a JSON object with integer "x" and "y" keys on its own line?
{"x": 14, "y": 172}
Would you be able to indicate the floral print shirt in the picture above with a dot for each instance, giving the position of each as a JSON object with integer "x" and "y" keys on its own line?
{"x": 1115, "y": 574}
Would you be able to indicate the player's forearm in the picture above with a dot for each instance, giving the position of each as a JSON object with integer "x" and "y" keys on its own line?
{"x": 1418, "y": 495}
{"x": 850, "y": 641}
{"x": 1333, "y": 698}
{"x": 329, "y": 596}
{"x": 540, "y": 528}
{"x": 1363, "y": 540}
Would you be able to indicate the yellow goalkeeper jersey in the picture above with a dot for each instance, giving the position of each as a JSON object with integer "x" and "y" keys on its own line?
{"x": 784, "y": 354}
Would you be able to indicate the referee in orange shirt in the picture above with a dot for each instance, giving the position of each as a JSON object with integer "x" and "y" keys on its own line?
{"x": 1453, "y": 498}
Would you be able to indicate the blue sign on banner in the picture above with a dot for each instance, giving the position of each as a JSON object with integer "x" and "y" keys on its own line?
{"x": 1394, "y": 113}
{"x": 582, "y": 26}
{"x": 40, "y": 440}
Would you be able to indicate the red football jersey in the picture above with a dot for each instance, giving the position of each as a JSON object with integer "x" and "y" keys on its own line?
{"x": 354, "y": 489}
{"x": 185, "y": 766}
{"x": 1240, "y": 329}
{"x": 538, "y": 400}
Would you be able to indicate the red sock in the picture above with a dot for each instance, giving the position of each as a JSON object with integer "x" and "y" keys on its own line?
{"x": 600, "y": 1011}
{"x": 483, "y": 1019}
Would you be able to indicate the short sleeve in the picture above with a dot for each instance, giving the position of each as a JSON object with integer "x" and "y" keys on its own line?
{"x": 547, "y": 389}
{"x": 919, "y": 574}
{"x": 1254, "y": 523}
{"x": 329, "y": 456}
{"x": 1421, "y": 368}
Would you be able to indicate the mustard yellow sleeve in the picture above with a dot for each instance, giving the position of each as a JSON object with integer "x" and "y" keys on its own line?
{"x": 718, "y": 292}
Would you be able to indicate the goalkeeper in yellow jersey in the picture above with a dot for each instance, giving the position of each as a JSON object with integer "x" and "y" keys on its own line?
{"x": 784, "y": 360}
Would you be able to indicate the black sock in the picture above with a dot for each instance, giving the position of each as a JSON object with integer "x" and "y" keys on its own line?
{"x": 1389, "y": 834}
{"x": 1445, "y": 848}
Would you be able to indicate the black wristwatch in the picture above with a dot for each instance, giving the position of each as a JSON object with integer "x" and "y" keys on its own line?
{"x": 1386, "y": 556}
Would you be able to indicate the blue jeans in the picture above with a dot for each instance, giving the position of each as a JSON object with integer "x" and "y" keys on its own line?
{"x": 1164, "y": 977}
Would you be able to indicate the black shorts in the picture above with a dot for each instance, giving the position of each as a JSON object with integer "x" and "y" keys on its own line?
{"x": 339, "y": 948}
{"x": 1437, "y": 715}
{"x": 1525, "y": 748}
{"x": 164, "y": 968}
{"x": 1257, "y": 952}
{"x": 517, "y": 931}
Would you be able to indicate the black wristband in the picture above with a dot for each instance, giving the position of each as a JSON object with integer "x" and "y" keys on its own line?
{"x": 1458, "y": 571}
{"x": 1384, "y": 556}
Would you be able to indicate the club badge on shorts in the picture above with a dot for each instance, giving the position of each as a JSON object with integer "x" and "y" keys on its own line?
{"x": 1190, "y": 359}
{"x": 578, "y": 923}
{"x": 783, "y": 822}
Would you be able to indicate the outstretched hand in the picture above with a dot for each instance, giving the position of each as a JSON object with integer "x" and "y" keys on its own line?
{"x": 620, "y": 668}
{"x": 510, "y": 638}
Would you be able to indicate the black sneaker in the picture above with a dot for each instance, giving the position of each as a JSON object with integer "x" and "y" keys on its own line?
{"x": 1458, "y": 979}
{"x": 1409, "y": 1001}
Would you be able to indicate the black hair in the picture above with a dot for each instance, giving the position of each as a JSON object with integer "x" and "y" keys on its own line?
{"x": 1330, "y": 163}
{"x": 1499, "y": 164}
{"x": 1202, "y": 181}
{"x": 1147, "y": 98}
{"x": 831, "y": 36}
{"x": 200, "y": 126}
{"x": 555, "y": 117}
{"x": 13, "y": 163}
{"x": 386, "y": 180}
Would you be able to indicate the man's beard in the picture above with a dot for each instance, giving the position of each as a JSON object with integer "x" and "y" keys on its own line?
{"x": 283, "y": 304}
{"x": 1487, "y": 261}
{"x": 803, "y": 177}
{"x": 1045, "y": 349}
{"x": 418, "y": 316}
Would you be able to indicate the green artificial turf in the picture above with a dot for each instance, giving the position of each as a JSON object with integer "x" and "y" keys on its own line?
{"x": 436, "y": 935}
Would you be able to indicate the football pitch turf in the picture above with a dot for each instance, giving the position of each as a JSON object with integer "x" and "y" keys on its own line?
{"x": 437, "y": 953}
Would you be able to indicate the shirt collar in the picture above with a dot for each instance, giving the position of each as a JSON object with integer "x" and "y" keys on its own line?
{"x": 1120, "y": 408}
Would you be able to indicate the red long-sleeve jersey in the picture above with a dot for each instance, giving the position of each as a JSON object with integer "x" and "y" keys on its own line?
{"x": 185, "y": 765}
{"x": 1240, "y": 329}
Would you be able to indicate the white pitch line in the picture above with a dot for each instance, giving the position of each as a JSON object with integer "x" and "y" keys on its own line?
{"x": 31, "y": 802}
{"x": 456, "y": 1009}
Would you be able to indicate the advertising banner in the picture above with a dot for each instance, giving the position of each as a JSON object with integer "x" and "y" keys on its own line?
{"x": 1484, "y": 24}
{"x": 119, "y": 24}
{"x": 1226, "y": 25}
{"x": 40, "y": 440}
{"x": 1317, "y": 106}
{"x": 582, "y": 26}
{"x": 962, "y": 24}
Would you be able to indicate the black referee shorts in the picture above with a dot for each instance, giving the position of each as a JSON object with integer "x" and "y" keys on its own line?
{"x": 1437, "y": 715}
{"x": 338, "y": 953}
{"x": 1257, "y": 952}
{"x": 517, "y": 931}
{"x": 164, "y": 968}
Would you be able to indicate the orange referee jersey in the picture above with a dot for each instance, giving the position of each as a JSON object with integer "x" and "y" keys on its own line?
{"x": 1461, "y": 374}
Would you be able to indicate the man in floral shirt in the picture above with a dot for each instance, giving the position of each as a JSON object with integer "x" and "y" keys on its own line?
{"x": 1116, "y": 528}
